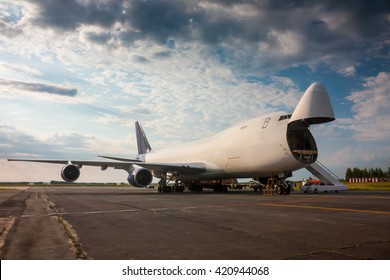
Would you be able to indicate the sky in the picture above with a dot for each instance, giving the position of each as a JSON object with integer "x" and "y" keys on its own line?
{"x": 75, "y": 75}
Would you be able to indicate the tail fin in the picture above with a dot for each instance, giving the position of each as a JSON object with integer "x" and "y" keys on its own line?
{"x": 142, "y": 142}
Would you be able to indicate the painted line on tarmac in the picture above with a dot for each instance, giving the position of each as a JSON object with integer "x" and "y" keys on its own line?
{"x": 83, "y": 213}
{"x": 211, "y": 207}
{"x": 327, "y": 208}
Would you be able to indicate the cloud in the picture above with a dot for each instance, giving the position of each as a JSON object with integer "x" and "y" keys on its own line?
{"x": 58, "y": 144}
{"x": 10, "y": 137}
{"x": 10, "y": 15}
{"x": 348, "y": 71}
{"x": 20, "y": 69}
{"x": 16, "y": 86}
{"x": 371, "y": 107}
{"x": 249, "y": 34}
{"x": 69, "y": 15}
{"x": 359, "y": 155}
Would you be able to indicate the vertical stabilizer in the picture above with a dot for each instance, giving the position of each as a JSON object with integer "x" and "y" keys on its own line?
{"x": 142, "y": 142}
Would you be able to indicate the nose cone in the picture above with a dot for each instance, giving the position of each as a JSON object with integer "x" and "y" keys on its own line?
{"x": 314, "y": 106}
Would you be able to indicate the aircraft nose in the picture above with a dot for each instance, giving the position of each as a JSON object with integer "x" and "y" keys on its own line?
{"x": 314, "y": 106}
{"x": 317, "y": 88}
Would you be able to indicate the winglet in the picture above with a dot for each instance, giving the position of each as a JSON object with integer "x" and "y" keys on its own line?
{"x": 142, "y": 142}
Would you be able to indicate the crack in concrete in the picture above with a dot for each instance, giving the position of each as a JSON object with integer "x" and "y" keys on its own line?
{"x": 74, "y": 240}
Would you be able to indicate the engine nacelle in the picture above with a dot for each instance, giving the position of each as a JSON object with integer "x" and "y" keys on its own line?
{"x": 70, "y": 173}
{"x": 140, "y": 178}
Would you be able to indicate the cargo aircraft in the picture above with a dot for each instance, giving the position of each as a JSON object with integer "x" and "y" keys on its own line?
{"x": 270, "y": 146}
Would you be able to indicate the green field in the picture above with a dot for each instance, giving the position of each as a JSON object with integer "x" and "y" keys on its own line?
{"x": 369, "y": 186}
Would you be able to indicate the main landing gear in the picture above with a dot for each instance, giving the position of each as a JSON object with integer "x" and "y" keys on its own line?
{"x": 283, "y": 188}
{"x": 273, "y": 185}
{"x": 164, "y": 187}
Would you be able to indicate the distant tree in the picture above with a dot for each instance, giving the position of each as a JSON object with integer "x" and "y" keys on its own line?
{"x": 356, "y": 172}
{"x": 364, "y": 173}
{"x": 348, "y": 174}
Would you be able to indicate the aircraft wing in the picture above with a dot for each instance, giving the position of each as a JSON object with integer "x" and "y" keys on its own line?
{"x": 180, "y": 168}
{"x": 78, "y": 162}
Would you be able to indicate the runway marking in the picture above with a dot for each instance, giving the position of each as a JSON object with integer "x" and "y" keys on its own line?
{"x": 211, "y": 207}
{"x": 83, "y": 213}
{"x": 327, "y": 208}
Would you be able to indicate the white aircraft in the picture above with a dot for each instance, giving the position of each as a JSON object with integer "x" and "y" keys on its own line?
{"x": 267, "y": 146}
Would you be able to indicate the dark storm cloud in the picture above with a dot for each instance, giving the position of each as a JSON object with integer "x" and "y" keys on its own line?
{"x": 345, "y": 29}
{"x": 99, "y": 38}
{"x": 161, "y": 19}
{"x": 70, "y": 14}
{"x": 37, "y": 87}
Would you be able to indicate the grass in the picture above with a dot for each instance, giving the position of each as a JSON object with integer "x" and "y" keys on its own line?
{"x": 369, "y": 186}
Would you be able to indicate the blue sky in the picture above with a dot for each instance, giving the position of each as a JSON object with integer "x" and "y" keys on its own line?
{"x": 76, "y": 74}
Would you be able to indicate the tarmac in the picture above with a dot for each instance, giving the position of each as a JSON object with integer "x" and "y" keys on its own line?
{"x": 116, "y": 223}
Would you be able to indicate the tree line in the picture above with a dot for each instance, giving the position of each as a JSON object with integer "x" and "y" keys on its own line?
{"x": 366, "y": 173}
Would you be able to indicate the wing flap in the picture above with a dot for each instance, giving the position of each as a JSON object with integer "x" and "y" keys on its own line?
{"x": 180, "y": 168}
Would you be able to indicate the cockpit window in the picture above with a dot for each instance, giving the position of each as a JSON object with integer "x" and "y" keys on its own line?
{"x": 284, "y": 117}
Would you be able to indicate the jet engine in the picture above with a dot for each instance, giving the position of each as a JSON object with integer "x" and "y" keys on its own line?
{"x": 140, "y": 177}
{"x": 70, "y": 173}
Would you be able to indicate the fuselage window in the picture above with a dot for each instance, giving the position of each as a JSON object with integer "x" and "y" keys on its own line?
{"x": 266, "y": 121}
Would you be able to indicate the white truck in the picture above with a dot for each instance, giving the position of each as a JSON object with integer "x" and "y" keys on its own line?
{"x": 316, "y": 188}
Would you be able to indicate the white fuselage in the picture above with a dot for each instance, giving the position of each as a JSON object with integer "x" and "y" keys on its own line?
{"x": 255, "y": 148}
